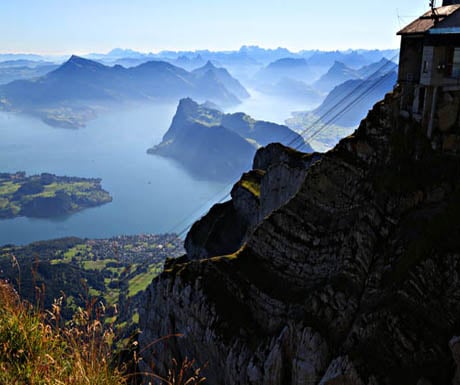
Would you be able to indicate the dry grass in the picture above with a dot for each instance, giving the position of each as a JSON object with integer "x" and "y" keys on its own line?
{"x": 36, "y": 348}
{"x": 185, "y": 373}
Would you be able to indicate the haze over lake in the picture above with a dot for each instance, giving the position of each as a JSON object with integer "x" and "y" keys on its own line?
{"x": 269, "y": 108}
{"x": 151, "y": 194}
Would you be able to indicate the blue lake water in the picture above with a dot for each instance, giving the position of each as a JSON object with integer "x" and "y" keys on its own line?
{"x": 150, "y": 194}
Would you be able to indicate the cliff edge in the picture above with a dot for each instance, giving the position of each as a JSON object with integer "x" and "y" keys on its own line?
{"x": 350, "y": 277}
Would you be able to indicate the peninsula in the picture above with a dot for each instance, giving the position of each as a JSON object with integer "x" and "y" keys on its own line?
{"x": 47, "y": 195}
{"x": 217, "y": 146}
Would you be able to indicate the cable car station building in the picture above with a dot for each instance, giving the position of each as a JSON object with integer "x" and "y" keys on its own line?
{"x": 429, "y": 71}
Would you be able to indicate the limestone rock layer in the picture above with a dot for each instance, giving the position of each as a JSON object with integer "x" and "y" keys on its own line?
{"x": 350, "y": 277}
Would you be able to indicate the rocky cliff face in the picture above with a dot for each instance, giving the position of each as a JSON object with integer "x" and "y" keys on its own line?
{"x": 277, "y": 174}
{"x": 346, "y": 272}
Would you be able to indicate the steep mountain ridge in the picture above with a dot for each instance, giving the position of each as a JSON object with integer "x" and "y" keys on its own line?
{"x": 349, "y": 101}
{"x": 377, "y": 69}
{"x": 85, "y": 85}
{"x": 232, "y": 84}
{"x": 352, "y": 279}
{"x": 218, "y": 146}
{"x": 337, "y": 74}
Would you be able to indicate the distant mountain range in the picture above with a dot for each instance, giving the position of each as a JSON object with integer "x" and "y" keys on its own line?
{"x": 245, "y": 56}
{"x": 294, "y": 78}
{"x": 254, "y": 54}
{"x": 20, "y": 63}
{"x": 20, "y": 56}
{"x": 351, "y": 58}
{"x": 65, "y": 96}
{"x": 23, "y": 69}
{"x": 377, "y": 69}
{"x": 347, "y": 103}
{"x": 340, "y": 73}
{"x": 343, "y": 108}
{"x": 352, "y": 93}
{"x": 337, "y": 74}
{"x": 246, "y": 62}
{"x": 285, "y": 68}
{"x": 308, "y": 66}
{"x": 218, "y": 146}
{"x": 78, "y": 89}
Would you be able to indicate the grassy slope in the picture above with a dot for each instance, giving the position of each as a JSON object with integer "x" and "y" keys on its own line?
{"x": 114, "y": 271}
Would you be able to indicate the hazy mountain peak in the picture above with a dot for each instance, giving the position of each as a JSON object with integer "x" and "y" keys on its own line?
{"x": 384, "y": 60}
{"x": 186, "y": 104}
{"x": 190, "y": 110}
{"x": 339, "y": 65}
{"x": 341, "y": 68}
{"x": 80, "y": 62}
{"x": 219, "y": 74}
{"x": 288, "y": 62}
{"x": 75, "y": 59}
{"x": 209, "y": 65}
{"x": 157, "y": 65}
{"x": 378, "y": 68}
{"x": 124, "y": 52}
{"x": 337, "y": 74}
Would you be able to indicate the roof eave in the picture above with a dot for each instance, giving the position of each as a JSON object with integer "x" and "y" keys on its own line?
{"x": 411, "y": 34}
{"x": 444, "y": 31}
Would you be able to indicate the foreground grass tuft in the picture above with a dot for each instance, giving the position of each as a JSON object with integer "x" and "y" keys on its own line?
{"x": 37, "y": 348}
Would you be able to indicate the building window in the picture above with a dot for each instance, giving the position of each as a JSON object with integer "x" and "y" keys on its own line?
{"x": 453, "y": 62}
{"x": 425, "y": 67}
{"x": 456, "y": 63}
{"x": 421, "y": 99}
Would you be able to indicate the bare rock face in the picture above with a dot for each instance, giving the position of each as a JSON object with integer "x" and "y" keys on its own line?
{"x": 341, "y": 371}
{"x": 277, "y": 175}
{"x": 285, "y": 171}
{"x": 349, "y": 276}
{"x": 454, "y": 344}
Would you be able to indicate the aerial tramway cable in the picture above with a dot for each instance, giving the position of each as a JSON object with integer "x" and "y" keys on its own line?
{"x": 348, "y": 106}
{"x": 307, "y": 134}
{"x": 321, "y": 118}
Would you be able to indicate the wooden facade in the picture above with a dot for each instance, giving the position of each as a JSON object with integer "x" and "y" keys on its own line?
{"x": 429, "y": 63}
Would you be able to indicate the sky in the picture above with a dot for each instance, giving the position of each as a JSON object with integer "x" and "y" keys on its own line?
{"x": 84, "y": 26}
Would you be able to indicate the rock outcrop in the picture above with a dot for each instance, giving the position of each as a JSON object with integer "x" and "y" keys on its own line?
{"x": 277, "y": 174}
{"x": 349, "y": 274}
{"x": 218, "y": 146}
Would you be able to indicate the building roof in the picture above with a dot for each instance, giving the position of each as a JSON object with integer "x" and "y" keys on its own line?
{"x": 425, "y": 23}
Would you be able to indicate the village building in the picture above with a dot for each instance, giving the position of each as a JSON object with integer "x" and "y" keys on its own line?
{"x": 429, "y": 70}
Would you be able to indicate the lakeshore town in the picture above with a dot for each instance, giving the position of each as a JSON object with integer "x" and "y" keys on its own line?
{"x": 143, "y": 248}
{"x": 125, "y": 249}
